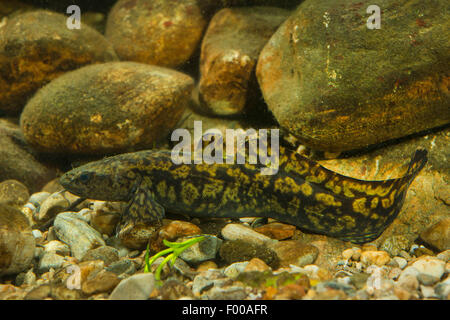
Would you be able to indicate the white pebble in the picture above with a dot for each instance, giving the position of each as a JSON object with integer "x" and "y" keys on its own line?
{"x": 430, "y": 266}
{"x": 235, "y": 231}
{"x": 37, "y": 234}
{"x": 234, "y": 269}
{"x": 402, "y": 263}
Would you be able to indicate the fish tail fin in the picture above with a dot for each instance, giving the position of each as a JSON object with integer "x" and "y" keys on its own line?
{"x": 418, "y": 161}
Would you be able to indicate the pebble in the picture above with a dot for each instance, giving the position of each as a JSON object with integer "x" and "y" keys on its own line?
{"x": 235, "y": 231}
{"x": 438, "y": 235}
{"x": 427, "y": 292}
{"x": 135, "y": 287}
{"x": 430, "y": 268}
{"x": 123, "y": 266}
{"x": 402, "y": 263}
{"x": 347, "y": 254}
{"x": 13, "y": 193}
{"x": 26, "y": 278}
{"x": 51, "y": 206}
{"x": 177, "y": 228}
{"x": 394, "y": 273}
{"x": 37, "y": 234}
{"x": 239, "y": 250}
{"x": 277, "y": 231}
{"x": 105, "y": 253}
{"x": 39, "y": 292}
{"x": 379, "y": 258}
{"x": 17, "y": 243}
{"x": 201, "y": 251}
{"x": 256, "y": 264}
{"x": 58, "y": 247}
{"x": 394, "y": 244}
{"x": 290, "y": 292}
{"x": 408, "y": 282}
{"x": 135, "y": 236}
{"x": 104, "y": 281}
{"x": 444, "y": 255}
{"x": 225, "y": 293}
{"x": 38, "y": 198}
{"x": 50, "y": 260}
{"x": 316, "y": 273}
{"x": 173, "y": 289}
{"x": 206, "y": 265}
{"x": 207, "y": 279}
{"x": 234, "y": 269}
{"x": 294, "y": 252}
{"x": 442, "y": 289}
{"x": 104, "y": 216}
{"x": 80, "y": 236}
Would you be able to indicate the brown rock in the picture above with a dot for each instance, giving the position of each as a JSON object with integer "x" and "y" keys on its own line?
{"x": 380, "y": 258}
{"x": 294, "y": 252}
{"x": 230, "y": 49}
{"x": 438, "y": 235}
{"x": 111, "y": 107}
{"x": 104, "y": 281}
{"x": 105, "y": 217}
{"x": 291, "y": 291}
{"x": 13, "y": 193}
{"x": 159, "y": 32}
{"x": 18, "y": 161}
{"x": 17, "y": 243}
{"x": 256, "y": 264}
{"x": 206, "y": 266}
{"x": 276, "y": 230}
{"x": 40, "y": 292}
{"x": 318, "y": 75}
{"x": 137, "y": 236}
{"x": 176, "y": 229}
{"x": 36, "y": 47}
{"x": 12, "y": 8}
{"x": 329, "y": 249}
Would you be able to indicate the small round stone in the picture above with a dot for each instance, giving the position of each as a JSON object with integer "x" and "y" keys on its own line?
{"x": 379, "y": 258}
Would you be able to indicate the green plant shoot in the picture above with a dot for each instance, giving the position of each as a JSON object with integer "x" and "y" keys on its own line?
{"x": 174, "y": 250}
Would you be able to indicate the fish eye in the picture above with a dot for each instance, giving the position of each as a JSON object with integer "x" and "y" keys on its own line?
{"x": 84, "y": 177}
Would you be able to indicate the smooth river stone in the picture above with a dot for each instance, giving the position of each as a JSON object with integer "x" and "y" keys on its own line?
{"x": 17, "y": 243}
{"x": 338, "y": 85}
{"x": 36, "y": 47}
{"x": 159, "y": 32}
{"x": 230, "y": 49}
{"x": 102, "y": 108}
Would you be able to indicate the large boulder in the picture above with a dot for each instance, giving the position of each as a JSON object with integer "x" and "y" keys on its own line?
{"x": 338, "y": 85}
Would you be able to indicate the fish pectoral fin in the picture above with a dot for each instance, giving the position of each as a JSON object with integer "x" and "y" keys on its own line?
{"x": 142, "y": 208}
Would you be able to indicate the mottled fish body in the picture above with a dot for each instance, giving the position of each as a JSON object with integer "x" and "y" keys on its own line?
{"x": 302, "y": 192}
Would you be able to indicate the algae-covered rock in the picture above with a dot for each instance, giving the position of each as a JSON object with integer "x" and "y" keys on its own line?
{"x": 160, "y": 32}
{"x": 16, "y": 241}
{"x": 239, "y": 250}
{"x": 338, "y": 85}
{"x": 19, "y": 162}
{"x": 230, "y": 49}
{"x": 36, "y": 47}
{"x": 111, "y": 107}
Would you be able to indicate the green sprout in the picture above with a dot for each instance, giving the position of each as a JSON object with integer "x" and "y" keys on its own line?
{"x": 175, "y": 249}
